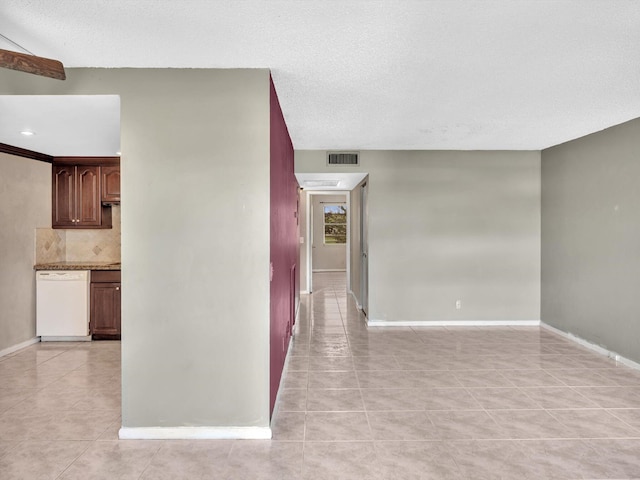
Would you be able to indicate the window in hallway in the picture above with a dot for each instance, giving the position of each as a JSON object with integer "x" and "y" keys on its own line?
{"x": 335, "y": 225}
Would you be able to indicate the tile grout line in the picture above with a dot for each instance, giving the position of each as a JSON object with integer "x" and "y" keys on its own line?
{"x": 89, "y": 443}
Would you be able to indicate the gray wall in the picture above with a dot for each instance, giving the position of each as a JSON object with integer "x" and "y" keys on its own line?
{"x": 591, "y": 238}
{"x": 449, "y": 225}
{"x": 356, "y": 253}
{"x": 326, "y": 257}
{"x": 25, "y": 204}
{"x": 195, "y": 233}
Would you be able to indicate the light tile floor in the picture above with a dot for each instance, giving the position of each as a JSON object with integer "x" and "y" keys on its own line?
{"x": 357, "y": 403}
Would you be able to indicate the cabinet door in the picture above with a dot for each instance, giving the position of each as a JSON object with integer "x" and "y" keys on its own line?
{"x": 111, "y": 183}
{"x": 105, "y": 309}
{"x": 63, "y": 201}
{"x": 88, "y": 206}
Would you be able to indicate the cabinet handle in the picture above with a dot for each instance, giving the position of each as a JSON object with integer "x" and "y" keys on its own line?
{"x": 117, "y": 288}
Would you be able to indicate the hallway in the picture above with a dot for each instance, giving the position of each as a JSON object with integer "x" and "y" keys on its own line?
{"x": 357, "y": 403}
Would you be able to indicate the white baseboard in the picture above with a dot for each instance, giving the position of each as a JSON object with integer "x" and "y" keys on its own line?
{"x": 66, "y": 339}
{"x": 195, "y": 433}
{"x": 359, "y": 307}
{"x": 295, "y": 322}
{"x": 19, "y": 346}
{"x": 284, "y": 371}
{"x": 324, "y": 270}
{"x": 454, "y": 323}
{"x": 592, "y": 346}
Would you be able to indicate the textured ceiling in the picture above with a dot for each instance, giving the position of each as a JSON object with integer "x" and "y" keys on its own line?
{"x": 375, "y": 74}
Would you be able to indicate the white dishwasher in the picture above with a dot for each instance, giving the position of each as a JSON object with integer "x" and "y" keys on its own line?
{"x": 62, "y": 305}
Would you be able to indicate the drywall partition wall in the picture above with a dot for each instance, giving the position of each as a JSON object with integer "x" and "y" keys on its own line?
{"x": 284, "y": 243}
{"x": 591, "y": 238}
{"x": 326, "y": 257}
{"x": 25, "y": 204}
{"x": 447, "y": 226}
{"x": 195, "y": 236}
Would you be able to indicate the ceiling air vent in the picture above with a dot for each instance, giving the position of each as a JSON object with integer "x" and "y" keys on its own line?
{"x": 343, "y": 158}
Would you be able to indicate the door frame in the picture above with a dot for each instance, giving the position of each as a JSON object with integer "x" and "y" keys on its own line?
{"x": 364, "y": 247}
{"x": 309, "y": 230}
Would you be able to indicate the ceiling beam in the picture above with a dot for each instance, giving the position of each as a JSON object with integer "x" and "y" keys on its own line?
{"x": 45, "y": 67}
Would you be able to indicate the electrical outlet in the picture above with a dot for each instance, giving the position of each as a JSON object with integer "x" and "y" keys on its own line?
{"x": 458, "y": 304}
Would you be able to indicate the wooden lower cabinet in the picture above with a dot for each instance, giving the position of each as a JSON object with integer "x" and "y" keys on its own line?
{"x": 105, "y": 304}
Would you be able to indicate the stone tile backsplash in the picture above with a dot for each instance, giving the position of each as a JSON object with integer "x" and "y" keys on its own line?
{"x": 90, "y": 245}
{"x": 51, "y": 245}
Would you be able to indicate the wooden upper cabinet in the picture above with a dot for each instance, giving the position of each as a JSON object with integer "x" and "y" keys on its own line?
{"x": 77, "y": 197}
{"x": 64, "y": 204}
{"x": 111, "y": 184}
{"x": 88, "y": 206}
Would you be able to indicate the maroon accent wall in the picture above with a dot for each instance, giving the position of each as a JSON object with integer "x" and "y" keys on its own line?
{"x": 284, "y": 243}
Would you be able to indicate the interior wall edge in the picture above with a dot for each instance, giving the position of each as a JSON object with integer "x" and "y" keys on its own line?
{"x": 592, "y": 346}
{"x": 19, "y": 346}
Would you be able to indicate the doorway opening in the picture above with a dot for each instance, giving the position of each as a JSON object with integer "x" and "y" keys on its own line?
{"x": 333, "y": 235}
{"x": 329, "y": 231}
{"x": 70, "y": 147}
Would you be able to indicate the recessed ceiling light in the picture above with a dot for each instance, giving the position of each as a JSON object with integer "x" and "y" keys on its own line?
{"x": 27, "y": 133}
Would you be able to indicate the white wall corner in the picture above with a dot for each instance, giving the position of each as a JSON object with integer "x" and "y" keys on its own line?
{"x": 19, "y": 346}
{"x": 195, "y": 433}
{"x": 592, "y": 346}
